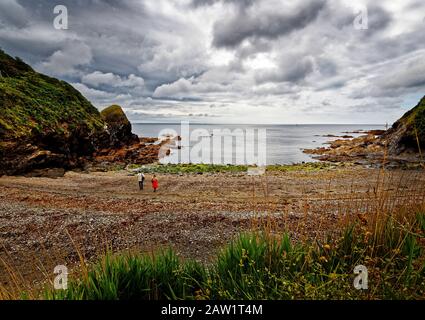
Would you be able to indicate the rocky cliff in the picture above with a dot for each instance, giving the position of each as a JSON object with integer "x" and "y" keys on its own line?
{"x": 46, "y": 123}
{"x": 408, "y": 133}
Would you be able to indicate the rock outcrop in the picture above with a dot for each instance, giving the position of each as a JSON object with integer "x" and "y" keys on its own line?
{"x": 407, "y": 135}
{"x": 45, "y": 123}
{"x": 118, "y": 126}
{"x": 403, "y": 143}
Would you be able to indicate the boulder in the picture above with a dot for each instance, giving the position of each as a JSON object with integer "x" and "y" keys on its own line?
{"x": 118, "y": 126}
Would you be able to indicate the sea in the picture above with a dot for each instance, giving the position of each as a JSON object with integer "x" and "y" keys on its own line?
{"x": 250, "y": 144}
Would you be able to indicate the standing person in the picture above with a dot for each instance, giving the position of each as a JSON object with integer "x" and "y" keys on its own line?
{"x": 141, "y": 178}
{"x": 155, "y": 183}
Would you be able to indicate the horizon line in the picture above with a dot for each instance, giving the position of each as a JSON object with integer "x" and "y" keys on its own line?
{"x": 268, "y": 124}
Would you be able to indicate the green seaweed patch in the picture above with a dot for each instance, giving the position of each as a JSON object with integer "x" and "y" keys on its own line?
{"x": 219, "y": 168}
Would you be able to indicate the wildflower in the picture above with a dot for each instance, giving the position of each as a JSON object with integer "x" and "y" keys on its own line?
{"x": 198, "y": 294}
{"x": 327, "y": 247}
{"x": 323, "y": 259}
{"x": 362, "y": 218}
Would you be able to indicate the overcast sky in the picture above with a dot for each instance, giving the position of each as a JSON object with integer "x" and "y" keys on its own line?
{"x": 237, "y": 61}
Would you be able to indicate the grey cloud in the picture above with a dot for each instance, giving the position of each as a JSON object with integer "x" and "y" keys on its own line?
{"x": 412, "y": 76}
{"x": 401, "y": 79}
{"x": 292, "y": 69}
{"x": 270, "y": 25}
{"x": 378, "y": 18}
{"x": 12, "y": 14}
{"x": 64, "y": 61}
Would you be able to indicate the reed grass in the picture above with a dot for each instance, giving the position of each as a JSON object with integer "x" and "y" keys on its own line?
{"x": 260, "y": 265}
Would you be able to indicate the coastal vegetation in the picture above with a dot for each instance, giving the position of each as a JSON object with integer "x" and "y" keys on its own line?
{"x": 263, "y": 265}
{"x": 221, "y": 168}
{"x": 32, "y": 103}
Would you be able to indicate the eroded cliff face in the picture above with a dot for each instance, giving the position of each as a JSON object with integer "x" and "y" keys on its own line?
{"x": 46, "y": 123}
{"x": 407, "y": 135}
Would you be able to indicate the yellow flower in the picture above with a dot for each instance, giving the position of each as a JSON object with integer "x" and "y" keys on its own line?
{"x": 327, "y": 247}
{"x": 323, "y": 259}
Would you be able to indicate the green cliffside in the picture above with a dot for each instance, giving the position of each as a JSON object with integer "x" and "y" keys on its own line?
{"x": 46, "y": 123}
{"x": 32, "y": 103}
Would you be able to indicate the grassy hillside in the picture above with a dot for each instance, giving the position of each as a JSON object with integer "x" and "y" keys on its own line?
{"x": 32, "y": 103}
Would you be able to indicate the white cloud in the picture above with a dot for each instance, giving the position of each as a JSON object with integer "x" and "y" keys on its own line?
{"x": 98, "y": 78}
{"x": 65, "y": 61}
{"x": 178, "y": 89}
{"x": 93, "y": 94}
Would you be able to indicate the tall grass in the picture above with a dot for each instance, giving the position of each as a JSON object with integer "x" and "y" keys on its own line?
{"x": 263, "y": 266}
{"x": 129, "y": 276}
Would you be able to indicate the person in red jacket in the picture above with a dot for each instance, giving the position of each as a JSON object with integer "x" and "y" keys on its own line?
{"x": 155, "y": 183}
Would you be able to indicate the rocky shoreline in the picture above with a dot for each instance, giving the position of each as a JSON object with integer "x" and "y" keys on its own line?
{"x": 370, "y": 148}
{"x": 401, "y": 145}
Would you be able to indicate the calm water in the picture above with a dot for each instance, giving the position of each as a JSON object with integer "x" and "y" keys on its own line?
{"x": 284, "y": 142}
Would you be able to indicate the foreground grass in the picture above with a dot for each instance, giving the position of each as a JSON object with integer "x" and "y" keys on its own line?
{"x": 266, "y": 266}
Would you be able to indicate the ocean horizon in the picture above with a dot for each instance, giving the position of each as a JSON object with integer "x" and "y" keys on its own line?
{"x": 284, "y": 142}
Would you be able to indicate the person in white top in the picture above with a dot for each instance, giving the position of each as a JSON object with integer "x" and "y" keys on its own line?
{"x": 141, "y": 178}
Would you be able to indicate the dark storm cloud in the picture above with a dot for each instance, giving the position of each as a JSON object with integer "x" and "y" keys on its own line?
{"x": 270, "y": 25}
{"x": 12, "y": 13}
{"x": 90, "y": 22}
{"x": 108, "y": 36}
{"x": 379, "y": 18}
